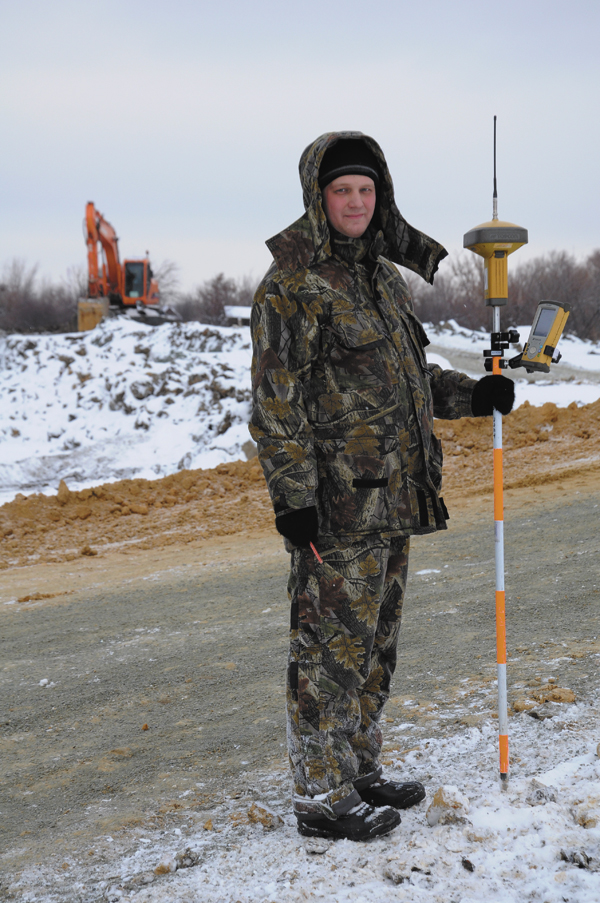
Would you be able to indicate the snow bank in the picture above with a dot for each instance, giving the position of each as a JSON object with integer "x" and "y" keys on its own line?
{"x": 121, "y": 401}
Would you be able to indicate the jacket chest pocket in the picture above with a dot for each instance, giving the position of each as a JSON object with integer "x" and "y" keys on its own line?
{"x": 358, "y": 356}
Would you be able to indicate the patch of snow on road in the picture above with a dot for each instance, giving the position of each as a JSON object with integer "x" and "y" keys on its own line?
{"x": 513, "y": 846}
{"x": 539, "y": 841}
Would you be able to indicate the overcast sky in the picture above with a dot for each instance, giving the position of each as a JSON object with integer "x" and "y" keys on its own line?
{"x": 184, "y": 120}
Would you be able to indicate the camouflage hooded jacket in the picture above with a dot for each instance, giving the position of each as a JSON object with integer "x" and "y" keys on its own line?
{"x": 344, "y": 398}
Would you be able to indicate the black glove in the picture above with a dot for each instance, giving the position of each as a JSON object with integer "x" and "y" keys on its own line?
{"x": 493, "y": 392}
{"x": 301, "y": 527}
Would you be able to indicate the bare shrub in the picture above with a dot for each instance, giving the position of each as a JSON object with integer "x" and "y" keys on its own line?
{"x": 246, "y": 289}
{"x": 457, "y": 293}
{"x": 587, "y": 318}
{"x": 76, "y": 281}
{"x": 26, "y": 306}
{"x": 207, "y": 303}
{"x": 167, "y": 274}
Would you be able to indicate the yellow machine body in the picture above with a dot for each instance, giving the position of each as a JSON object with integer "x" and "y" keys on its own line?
{"x": 494, "y": 241}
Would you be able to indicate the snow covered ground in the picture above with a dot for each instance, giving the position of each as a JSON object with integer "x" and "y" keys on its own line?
{"x": 126, "y": 400}
{"x": 122, "y": 401}
{"x": 505, "y": 846}
{"x": 539, "y": 841}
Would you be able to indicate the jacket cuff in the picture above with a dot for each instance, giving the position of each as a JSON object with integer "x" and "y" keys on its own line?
{"x": 308, "y": 501}
{"x": 464, "y": 396}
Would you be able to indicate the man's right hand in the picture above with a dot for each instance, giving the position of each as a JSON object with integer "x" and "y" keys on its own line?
{"x": 301, "y": 527}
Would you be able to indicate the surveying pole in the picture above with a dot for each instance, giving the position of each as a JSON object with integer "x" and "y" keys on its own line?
{"x": 494, "y": 241}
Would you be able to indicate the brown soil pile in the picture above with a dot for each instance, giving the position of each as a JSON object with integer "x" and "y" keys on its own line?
{"x": 542, "y": 445}
{"x": 189, "y": 505}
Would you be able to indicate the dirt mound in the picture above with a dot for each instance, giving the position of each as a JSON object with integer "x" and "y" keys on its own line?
{"x": 542, "y": 445}
{"x": 189, "y": 505}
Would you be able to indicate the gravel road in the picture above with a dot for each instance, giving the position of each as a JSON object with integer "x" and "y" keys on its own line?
{"x": 165, "y": 671}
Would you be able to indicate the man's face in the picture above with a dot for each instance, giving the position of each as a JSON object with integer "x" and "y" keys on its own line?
{"x": 349, "y": 203}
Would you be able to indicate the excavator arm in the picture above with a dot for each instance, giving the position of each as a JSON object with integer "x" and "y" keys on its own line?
{"x": 108, "y": 283}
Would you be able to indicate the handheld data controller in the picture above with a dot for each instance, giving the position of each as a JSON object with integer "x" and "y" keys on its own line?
{"x": 540, "y": 349}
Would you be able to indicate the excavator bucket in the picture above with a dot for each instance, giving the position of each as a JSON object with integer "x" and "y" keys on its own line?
{"x": 90, "y": 313}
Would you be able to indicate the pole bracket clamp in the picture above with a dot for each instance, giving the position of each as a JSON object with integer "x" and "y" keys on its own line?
{"x": 500, "y": 342}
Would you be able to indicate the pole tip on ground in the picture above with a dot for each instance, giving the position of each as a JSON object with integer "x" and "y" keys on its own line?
{"x": 503, "y": 781}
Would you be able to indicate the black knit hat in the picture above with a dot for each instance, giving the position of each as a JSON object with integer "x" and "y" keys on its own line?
{"x": 348, "y": 157}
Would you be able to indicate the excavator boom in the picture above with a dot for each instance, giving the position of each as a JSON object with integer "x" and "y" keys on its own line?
{"x": 108, "y": 283}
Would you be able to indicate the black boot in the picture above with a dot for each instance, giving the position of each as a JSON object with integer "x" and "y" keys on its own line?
{"x": 360, "y": 823}
{"x": 392, "y": 793}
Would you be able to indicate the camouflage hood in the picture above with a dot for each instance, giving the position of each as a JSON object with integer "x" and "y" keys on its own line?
{"x": 307, "y": 241}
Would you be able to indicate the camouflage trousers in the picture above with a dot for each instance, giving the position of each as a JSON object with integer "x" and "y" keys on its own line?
{"x": 345, "y": 621}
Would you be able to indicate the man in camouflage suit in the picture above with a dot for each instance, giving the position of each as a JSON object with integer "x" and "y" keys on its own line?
{"x": 344, "y": 401}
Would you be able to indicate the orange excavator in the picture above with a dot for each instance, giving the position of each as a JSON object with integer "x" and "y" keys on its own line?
{"x": 115, "y": 287}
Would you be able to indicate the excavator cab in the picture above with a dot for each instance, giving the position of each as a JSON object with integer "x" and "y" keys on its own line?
{"x": 139, "y": 286}
{"x": 134, "y": 280}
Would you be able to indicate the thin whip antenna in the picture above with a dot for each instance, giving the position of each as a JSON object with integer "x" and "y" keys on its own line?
{"x": 495, "y": 195}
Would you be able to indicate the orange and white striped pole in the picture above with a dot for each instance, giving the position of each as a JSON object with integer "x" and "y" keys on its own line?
{"x": 494, "y": 241}
{"x": 500, "y": 595}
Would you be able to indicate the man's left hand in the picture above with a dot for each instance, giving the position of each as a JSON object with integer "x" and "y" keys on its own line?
{"x": 493, "y": 392}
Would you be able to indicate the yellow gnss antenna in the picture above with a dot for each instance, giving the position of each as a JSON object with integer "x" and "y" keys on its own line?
{"x": 494, "y": 241}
